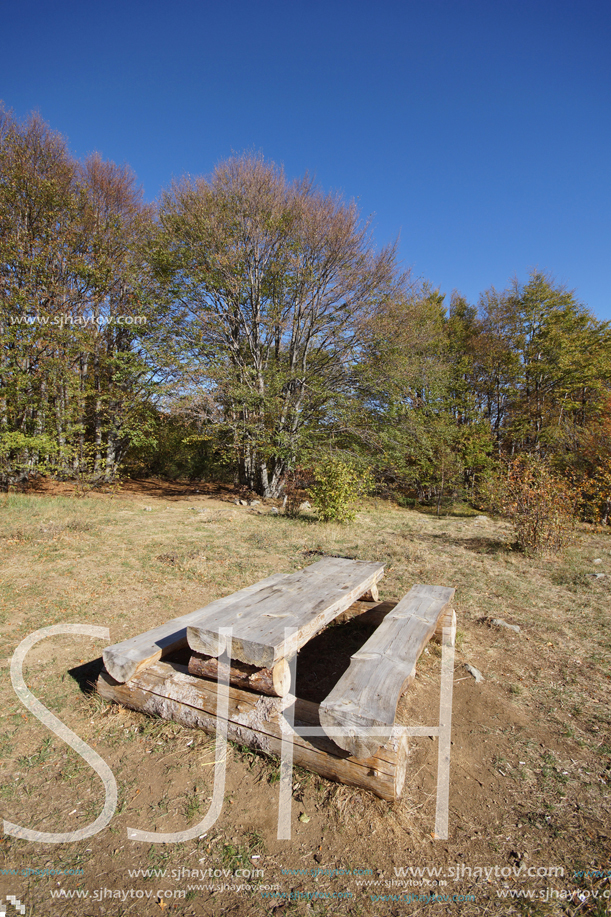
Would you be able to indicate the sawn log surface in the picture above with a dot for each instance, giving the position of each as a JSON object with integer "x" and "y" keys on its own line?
{"x": 305, "y": 602}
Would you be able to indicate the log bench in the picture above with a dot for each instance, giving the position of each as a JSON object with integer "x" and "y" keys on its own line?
{"x": 124, "y": 660}
{"x": 168, "y": 690}
{"x": 359, "y": 713}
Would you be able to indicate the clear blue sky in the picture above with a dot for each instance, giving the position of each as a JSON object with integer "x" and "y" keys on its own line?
{"x": 477, "y": 132}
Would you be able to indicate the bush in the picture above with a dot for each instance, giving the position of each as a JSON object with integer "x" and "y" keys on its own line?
{"x": 337, "y": 489}
{"x": 296, "y": 488}
{"x": 538, "y": 504}
{"x": 595, "y": 494}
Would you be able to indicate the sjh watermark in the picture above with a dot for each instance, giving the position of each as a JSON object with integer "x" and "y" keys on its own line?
{"x": 84, "y": 321}
{"x": 11, "y": 902}
{"x": 289, "y": 732}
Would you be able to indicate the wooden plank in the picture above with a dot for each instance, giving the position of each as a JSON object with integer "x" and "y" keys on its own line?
{"x": 366, "y": 696}
{"x": 123, "y": 660}
{"x": 276, "y": 682}
{"x": 167, "y": 690}
{"x": 305, "y": 601}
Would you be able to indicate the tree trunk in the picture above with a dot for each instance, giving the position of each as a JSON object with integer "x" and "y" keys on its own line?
{"x": 111, "y": 456}
{"x": 277, "y": 479}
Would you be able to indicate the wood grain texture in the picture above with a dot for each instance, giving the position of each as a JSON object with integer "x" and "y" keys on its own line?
{"x": 276, "y": 682}
{"x": 366, "y": 696}
{"x": 372, "y": 596}
{"x": 305, "y": 601}
{"x": 123, "y": 660}
{"x": 448, "y": 619}
{"x": 167, "y": 690}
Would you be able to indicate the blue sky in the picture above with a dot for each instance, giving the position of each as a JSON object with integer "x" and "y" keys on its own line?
{"x": 478, "y": 133}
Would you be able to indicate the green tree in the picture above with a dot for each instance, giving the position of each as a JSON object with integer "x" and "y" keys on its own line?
{"x": 40, "y": 261}
{"x": 473, "y": 440}
{"x": 71, "y": 377}
{"x": 542, "y": 362}
{"x": 116, "y": 373}
{"x": 268, "y": 283}
{"x": 403, "y": 417}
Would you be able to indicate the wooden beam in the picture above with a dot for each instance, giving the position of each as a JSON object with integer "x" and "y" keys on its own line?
{"x": 167, "y": 690}
{"x": 305, "y": 601}
{"x": 366, "y": 696}
{"x": 276, "y": 682}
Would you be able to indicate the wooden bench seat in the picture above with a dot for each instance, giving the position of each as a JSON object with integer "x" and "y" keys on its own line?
{"x": 123, "y": 660}
{"x": 366, "y": 696}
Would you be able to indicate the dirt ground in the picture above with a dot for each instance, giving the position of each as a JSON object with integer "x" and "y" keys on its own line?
{"x": 529, "y": 805}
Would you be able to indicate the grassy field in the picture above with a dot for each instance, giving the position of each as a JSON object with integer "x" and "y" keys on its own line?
{"x": 531, "y": 754}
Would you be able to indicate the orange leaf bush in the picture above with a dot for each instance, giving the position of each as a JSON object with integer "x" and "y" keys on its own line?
{"x": 540, "y": 506}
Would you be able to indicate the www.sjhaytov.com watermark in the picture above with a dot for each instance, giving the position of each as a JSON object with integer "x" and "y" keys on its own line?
{"x": 66, "y": 320}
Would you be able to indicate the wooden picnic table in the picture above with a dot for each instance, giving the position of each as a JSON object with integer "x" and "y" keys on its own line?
{"x": 277, "y": 619}
{"x": 303, "y": 602}
{"x": 351, "y": 735}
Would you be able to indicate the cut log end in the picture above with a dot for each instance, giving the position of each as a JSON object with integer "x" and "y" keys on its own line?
{"x": 281, "y": 678}
{"x": 209, "y": 644}
{"x": 122, "y": 668}
{"x": 448, "y": 619}
{"x": 372, "y": 595}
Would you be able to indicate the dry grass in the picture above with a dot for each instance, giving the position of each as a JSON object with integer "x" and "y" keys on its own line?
{"x": 128, "y": 563}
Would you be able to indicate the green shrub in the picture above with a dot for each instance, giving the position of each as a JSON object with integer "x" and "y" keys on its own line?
{"x": 537, "y": 503}
{"x": 337, "y": 489}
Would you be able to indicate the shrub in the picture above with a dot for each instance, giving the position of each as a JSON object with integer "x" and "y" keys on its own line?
{"x": 595, "y": 494}
{"x": 337, "y": 488}
{"x": 296, "y": 484}
{"x": 538, "y": 504}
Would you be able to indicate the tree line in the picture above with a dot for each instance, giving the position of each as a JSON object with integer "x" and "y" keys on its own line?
{"x": 247, "y": 327}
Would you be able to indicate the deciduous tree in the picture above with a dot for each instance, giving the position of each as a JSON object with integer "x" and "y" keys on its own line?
{"x": 270, "y": 282}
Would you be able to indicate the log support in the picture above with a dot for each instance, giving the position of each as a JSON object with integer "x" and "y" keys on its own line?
{"x": 275, "y": 682}
{"x": 169, "y": 691}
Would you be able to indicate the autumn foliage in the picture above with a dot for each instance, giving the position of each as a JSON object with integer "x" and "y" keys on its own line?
{"x": 539, "y": 504}
{"x": 593, "y": 473}
{"x": 248, "y": 326}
